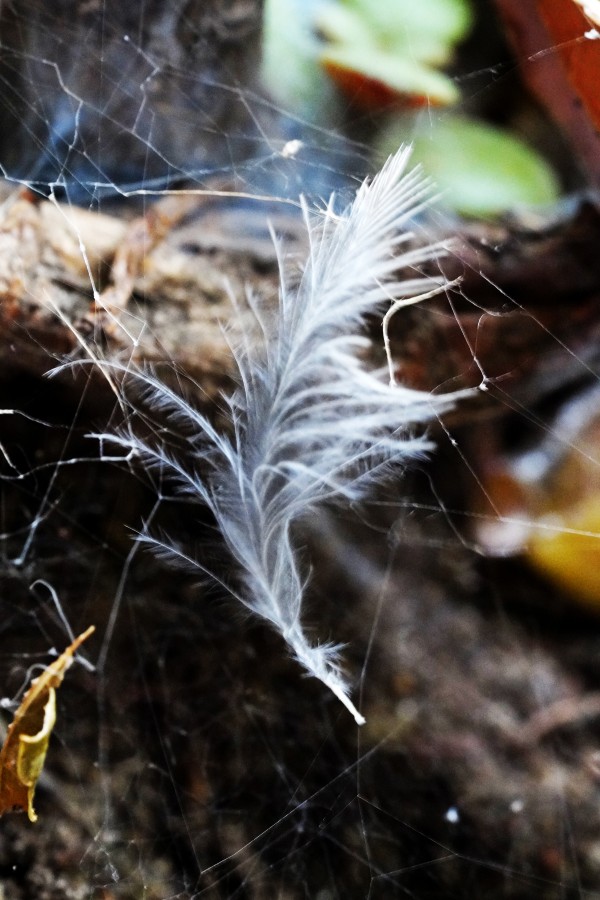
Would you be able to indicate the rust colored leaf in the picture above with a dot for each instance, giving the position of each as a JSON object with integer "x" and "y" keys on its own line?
{"x": 373, "y": 94}
{"x": 561, "y": 49}
{"x": 24, "y": 751}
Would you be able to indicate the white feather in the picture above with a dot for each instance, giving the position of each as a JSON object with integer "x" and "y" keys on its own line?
{"x": 310, "y": 423}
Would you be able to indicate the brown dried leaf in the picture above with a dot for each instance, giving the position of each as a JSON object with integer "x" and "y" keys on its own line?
{"x": 24, "y": 750}
{"x": 563, "y": 66}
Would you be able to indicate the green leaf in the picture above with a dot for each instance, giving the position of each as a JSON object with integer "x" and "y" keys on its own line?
{"x": 401, "y": 75}
{"x": 427, "y": 30}
{"x": 398, "y": 44}
{"x": 480, "y": 170}
{"x": 290, "y": 66}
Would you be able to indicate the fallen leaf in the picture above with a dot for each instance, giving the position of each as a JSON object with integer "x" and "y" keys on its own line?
{"x": 561, "y": 65}
{"x": 388, "y": 55}
{"x": 480, "y": 170}
{"x": 24, "y": 750}
{"x": 375, "y": 80}
{"x": 543, "y": 503}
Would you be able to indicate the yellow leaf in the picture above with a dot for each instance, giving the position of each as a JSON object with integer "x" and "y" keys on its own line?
{"x": 24, "y": 750}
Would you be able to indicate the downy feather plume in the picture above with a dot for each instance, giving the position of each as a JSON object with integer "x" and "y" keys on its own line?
{"x": 310, "y": 422}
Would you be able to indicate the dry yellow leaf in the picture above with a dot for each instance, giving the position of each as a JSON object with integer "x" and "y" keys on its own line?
{"x": 24, "y": 750}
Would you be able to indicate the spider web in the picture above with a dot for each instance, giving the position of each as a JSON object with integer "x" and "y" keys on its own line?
{"x": 190, "y": 759}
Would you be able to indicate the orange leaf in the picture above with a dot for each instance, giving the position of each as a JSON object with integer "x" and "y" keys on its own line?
{"x": 368, "y": 93}
{"x": 561, "y": 56}
{"x": 24, "y": 750}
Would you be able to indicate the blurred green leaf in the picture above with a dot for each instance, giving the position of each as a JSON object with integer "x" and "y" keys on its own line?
{"x": 427, "y": 30}
{"x": 398, "y": 43}
{"x": 401, "y": 76}
{"x": 290, "y": 61}
{"x": 480, "y": 170}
